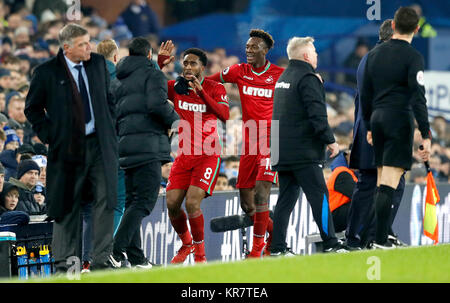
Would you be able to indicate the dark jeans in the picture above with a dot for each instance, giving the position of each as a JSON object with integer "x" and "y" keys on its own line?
{"x": 310, "y": 178}
{"x": 142, "y": 189}
{"x": 361, "y": 218}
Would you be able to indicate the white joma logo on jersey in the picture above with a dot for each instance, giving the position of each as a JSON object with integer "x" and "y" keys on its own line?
{"x": 282, "y": 85}
{"x": 193, "y": 107}
{"x": 255, "y": 91}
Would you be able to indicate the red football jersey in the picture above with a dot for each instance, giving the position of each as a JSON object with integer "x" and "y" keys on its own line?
{"x": 197, "y": 131}
{"x": 256, "y": 88}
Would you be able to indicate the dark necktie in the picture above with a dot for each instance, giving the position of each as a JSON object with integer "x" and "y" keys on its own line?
{"x": 84, "y": 94}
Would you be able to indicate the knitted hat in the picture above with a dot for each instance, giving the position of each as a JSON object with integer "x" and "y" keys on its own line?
{"x": 25, "y": 166}
{"x": 39, "y": 188}
{"x": 10, "y": 135}
{"x": 26, "y": 149}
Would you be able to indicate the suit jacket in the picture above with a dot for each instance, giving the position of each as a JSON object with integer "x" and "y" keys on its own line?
{"x": 362, "y": 156}
{"x": 49, "y": 108}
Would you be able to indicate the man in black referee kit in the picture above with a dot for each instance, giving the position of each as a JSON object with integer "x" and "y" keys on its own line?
{"x": 393, "y": 94}
{"x": 304, "y": 133}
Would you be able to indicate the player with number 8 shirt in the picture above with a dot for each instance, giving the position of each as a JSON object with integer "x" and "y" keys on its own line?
{"x": 199, "y": 102}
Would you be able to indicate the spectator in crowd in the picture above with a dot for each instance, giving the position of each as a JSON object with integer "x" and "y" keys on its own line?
{"x": 11, "y": 159}
{"x": 41, "y": 160}
{"x": 418, "y": 174}
{"x": 16, "y": 114}
{"x": 352, "y": 61}
{"x": 165, "y": 172}
{"x": 39, "y": 193}
{"x": 2, "y": 106}
{"x": 140, "y": 19}
{"x": 109, "y": 49}
{"x": 426, "y": 30}
{"x": 2, "y": 176}
{"x": 5, "y": 80}
{"x": 231, "y": 167}
{"x": 222, "y": 183}
{"x": 9, "y": 198}
{"x": 27, "y": 177}
{"x": 340, "y": 186}
{"x": 440, "y": 130}
{"x": 2, "y": 139}
{"x": 9, "y": 214}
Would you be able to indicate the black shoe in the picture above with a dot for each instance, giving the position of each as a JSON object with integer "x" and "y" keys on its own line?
{"x": 396, "y": 241}
{"x": 338, "y": 248}
{"x": 353, "y": 248}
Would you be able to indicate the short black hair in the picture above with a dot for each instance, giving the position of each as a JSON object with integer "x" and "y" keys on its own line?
{"x": 199, "y": 53}
{"x": 139, "y": 47}
{"x": 406, "y": 20}
{"x": 259, "y": 33}
{"x": 385, "y": 33}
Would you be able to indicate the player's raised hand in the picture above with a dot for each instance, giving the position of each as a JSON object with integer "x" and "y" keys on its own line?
{"x": 166, "y": 50}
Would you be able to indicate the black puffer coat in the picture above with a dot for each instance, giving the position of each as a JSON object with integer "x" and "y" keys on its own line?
{"x": 143, "y": 113}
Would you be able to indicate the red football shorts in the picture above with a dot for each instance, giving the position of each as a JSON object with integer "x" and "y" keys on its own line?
{"x": 254, "y": 168}
{"x": 200, "y": 170}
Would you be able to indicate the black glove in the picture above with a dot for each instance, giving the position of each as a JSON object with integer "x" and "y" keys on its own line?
{"x": 181, "y": 86}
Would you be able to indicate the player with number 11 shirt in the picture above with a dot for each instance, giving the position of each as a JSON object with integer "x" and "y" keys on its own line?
{"x": 256, "y": 81}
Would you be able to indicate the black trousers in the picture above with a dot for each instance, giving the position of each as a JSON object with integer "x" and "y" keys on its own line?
{"x": 142, "y": 188}
{"x": 67, "y": 232}
{"x": 361, "y": 218}
{"x": 311, "y": 180}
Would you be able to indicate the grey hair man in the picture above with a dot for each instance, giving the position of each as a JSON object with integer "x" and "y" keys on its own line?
{"x": 82, "y": 156}
{"x": 304, "y": 134}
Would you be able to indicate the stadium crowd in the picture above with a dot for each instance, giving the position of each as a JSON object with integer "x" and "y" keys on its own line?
{"x": 29, "y": 36}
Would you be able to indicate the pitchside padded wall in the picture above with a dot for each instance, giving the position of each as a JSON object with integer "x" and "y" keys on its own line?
{"x": 160, "y": 242}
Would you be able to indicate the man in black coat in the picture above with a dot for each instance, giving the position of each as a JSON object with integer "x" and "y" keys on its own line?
{"x": 392, "y": 96}
{"x": 304, "y": 134}
{"x": 361, "y": 219}
{"x": 72, "y": 110}
{"x": 144, "y": 117}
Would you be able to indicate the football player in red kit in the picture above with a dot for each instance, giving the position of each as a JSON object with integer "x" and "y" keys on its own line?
{"x": 199, "y": 102}
{"x": 256, "y": 82}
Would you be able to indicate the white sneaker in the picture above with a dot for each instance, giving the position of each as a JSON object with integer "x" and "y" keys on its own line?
{"x": 386, "y": 246}
{"x": 115, "y": 263}
{"x": 145, "y": 265}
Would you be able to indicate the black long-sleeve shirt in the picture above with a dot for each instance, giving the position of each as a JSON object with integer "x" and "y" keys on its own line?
{"x": 393, "y": 79}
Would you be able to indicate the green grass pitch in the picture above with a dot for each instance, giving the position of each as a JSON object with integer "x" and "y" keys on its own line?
{"x": 413, "y": 264}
